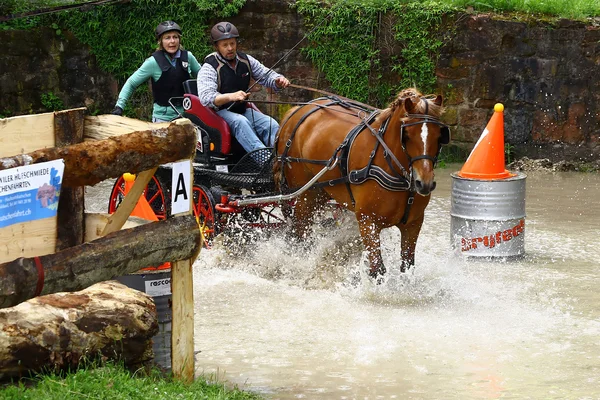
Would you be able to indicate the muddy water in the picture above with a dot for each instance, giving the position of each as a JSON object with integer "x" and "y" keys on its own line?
{"x": 300, "y": 321}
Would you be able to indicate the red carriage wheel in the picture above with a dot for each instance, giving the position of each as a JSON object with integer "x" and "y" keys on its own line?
{"x": 153, "y": 192}
{"x": 204, "y": 210}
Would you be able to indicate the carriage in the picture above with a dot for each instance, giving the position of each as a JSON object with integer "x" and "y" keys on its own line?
{"x": 223, "y": 171}
{"x": 330, "y": 152}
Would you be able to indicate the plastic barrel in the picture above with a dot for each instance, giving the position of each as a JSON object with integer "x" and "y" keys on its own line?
{"x": 488, "y": 217}
{"x": 156, "y": 284}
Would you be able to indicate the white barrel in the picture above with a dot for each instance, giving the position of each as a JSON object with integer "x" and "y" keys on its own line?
{"x": 488, "y": 217}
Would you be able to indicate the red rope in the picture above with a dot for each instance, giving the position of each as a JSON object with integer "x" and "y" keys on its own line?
{"x": 40, "y": 282}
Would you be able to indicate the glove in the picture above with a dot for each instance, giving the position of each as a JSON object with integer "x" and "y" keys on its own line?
{"x": 117, "y": 111}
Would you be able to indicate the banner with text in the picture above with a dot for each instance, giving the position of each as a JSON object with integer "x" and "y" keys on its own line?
{"x": 30, "y": 192}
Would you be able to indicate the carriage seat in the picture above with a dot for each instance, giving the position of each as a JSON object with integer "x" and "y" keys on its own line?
{"x": 206, "y": 118}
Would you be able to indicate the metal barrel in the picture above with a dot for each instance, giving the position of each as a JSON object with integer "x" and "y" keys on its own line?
{"x": 488, "y": 217}
{"x": 156, "y": 284}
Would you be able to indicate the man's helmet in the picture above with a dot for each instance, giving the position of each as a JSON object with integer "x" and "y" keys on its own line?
{"x": 166, "y": 26}
{"x": 222, "y": 31}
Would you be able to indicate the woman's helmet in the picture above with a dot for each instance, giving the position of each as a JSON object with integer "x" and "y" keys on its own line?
{"x": 222, "y": 31}
{"x": 166, "y": 26}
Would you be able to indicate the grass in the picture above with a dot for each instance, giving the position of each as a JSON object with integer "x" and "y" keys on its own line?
{"x": 113, "y": 382}
{"x": 575, "y": 9}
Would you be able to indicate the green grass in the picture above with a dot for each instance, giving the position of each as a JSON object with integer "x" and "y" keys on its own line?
{"x": 112, "y": 382}
{"x": 576, "y": 9}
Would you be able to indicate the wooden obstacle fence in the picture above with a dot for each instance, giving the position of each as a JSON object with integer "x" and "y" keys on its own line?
{"x": 51, "y": 255}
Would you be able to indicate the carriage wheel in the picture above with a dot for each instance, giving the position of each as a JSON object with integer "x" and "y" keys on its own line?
{"x": 153, "y": 193}
{"x": 204, "y": 210}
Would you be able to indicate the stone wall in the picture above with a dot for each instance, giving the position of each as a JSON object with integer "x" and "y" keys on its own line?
{"x": 40, "y": 62}
{"x": 546, "y": 75}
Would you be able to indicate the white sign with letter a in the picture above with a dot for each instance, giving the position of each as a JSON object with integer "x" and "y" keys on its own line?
{"x": 181, "y": 187}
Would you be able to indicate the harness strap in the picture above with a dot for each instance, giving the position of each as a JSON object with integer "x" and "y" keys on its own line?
{"x": 389, "y": 152}
{"x": 409, "y": 203}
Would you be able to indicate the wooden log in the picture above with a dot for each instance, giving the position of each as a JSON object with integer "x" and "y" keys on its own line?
{"x": 100, "y": 127}
{"x": 68, "y": 130}
{"x": 116, "y": 254}
{"x": 56, "y": 331}
{"x": 88, "y": 163}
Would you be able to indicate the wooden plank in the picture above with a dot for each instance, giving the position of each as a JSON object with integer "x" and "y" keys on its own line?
{"x": 116, "y": 221}
{"x": 28, "y": 239}
{"x": 182, "y": 289}
{"x": 102, "y": 127}
{"x": 96, "y": 222}
{"x": 68, "y": 130}
{"x": 26, "y": 133}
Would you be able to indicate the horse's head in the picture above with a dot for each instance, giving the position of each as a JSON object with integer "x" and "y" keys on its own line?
{"x": 422, "y": 135}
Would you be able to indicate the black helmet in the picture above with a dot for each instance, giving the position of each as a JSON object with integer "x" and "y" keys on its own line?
{"x": 222, "y": 31}
{"x": 166, "y": 26}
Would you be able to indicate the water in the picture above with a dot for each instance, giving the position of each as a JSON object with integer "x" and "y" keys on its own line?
{"x": 293, "y": 321}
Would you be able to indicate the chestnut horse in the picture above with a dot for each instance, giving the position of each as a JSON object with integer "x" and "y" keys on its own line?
{"x": 384, "y": 165}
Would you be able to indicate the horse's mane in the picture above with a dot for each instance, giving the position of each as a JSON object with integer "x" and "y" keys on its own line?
{"x": 418, "y": 98}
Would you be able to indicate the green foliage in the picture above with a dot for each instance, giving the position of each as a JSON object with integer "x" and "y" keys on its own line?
{"x": 576, "y": 9}
{"x": 509, "y": 152}
{"x": 420, "y": 31}
{"x": 52, "y": 102}
{"x": 5, "y": 113}
{"x": 122, "y": 36}
{"x": 345, "y": 45}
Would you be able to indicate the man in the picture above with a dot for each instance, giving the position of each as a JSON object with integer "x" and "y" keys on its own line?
{"x": 168, "y": 67}
{"x": 223, "y": 82}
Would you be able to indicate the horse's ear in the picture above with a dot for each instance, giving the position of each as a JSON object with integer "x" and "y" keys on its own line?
{"x": 409, "y": 106}
{"x": 438, "y": 100}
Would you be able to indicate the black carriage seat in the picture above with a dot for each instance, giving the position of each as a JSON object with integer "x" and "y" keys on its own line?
{"x": 221, "y": 140}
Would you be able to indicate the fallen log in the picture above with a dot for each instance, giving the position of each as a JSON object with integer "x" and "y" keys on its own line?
{"x": 116, "y": 254}
{"x": 61, "y": 330}
{"x": 90, "y": 162}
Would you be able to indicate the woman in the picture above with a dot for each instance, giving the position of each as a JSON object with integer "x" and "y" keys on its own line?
{"x": 168, "y": 67}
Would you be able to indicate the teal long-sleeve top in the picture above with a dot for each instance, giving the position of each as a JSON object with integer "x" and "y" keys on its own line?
{"x": 151, "y": 70}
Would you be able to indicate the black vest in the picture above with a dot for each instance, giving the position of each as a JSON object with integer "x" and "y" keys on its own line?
{"x": 170, "y": 83}
{"x": 230, "y": 81}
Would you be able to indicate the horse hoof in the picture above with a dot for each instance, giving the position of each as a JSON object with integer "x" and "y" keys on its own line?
{"x": 376, "y": 273}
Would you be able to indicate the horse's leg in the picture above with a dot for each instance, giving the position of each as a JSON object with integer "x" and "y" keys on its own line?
{"x": 370, "y": 231}
{"x": 410, "y": 233}
{"x": 304, "y": 211}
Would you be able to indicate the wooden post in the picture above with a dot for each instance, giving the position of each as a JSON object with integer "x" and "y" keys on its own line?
{"x": 116, "y": 221}
{"x": 182, "y": 289}
{"x": 68, "y": 130}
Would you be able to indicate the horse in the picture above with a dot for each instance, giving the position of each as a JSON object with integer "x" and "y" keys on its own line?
{"x": 379, "y": 166}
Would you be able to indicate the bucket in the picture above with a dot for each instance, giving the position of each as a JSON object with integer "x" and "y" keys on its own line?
{"x": 488, "y": 217}
{"x": 156, "y": 284}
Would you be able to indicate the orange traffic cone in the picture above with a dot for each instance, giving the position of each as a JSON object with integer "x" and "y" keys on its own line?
{"x": 142, "y": 208}
{"x": 486, "y": 160}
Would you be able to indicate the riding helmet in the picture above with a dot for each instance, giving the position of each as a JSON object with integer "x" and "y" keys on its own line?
{"x": 166, "y": 26}
{"x": 222, "y": 31}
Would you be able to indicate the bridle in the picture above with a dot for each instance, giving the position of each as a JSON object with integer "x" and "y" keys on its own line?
{"x": 425, "y": 119}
